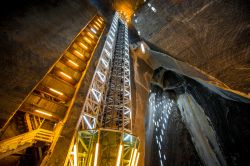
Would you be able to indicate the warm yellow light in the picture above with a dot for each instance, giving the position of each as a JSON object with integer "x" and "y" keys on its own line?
{"x": 57, "y": 92}
{"x": 101, "y": 18}
{"x": 96, "y": 153}
{"x": 93, "y": 30}
{"x": 98, "y": 24}
{"x": 142, "y": 48}
{"x": 78, "y": 53}
{"x": 83, "y": 45}
{"x": 119, "y": 156}
{"x": 134, "y": 156}
{"x": 73, "y": 63}
{"x": 75, "y": 156}
{"x": 96, "y": 27}
{"x": 132, "y": 152}
{"x": 137, "y": 159}
{"x": 92, "y": 36}
{"x": 44, "y": 113}
{"x": 87, "y": 40}
{"x": 100, "y": 21}
{"x": 66, "y": 75}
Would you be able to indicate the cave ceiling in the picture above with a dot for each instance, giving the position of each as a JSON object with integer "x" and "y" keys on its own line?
{"x": 209, "y": 35}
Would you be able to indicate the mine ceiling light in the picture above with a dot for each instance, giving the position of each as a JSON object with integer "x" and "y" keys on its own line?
{"x": 111, "y": 38}
{"x": 96, "y": 154}
{"x": 78, "y": 53}
{"x": 97, "y": 23}
{"x": 92, "y": 36}
{"x": 101, "y": 76}
{"x": 109, "y": 45}
{"x": 127, "y": 112}
{"x": 134, "y": 158}
{"x": 96, "y": 94}
{"x": 75, "y": 156}
{"x": 142, "y": 48}
{"x": 65, "y": 75}
{"x": 149, "y": 4}
{"x": 83, "y": 45}
{"x": 137, "y": 159}
{"x": 159, "y": 153}
{"x": 44, "y": 113}
{"x": 95, "y": 27}
{"x": 119, "y": 156}
{"x": 112, "y": 29}
{"x": 112, "y": 34}
{"x": 154, "y": 9}
{"x": 86, "y": 121}
{"x": 55, "y": 91}
{"x": 132, "y": 152}
{"x": 139, "y": 33}
{"x": 73, "y": 63}
{"x": 107, "y": 52}
{"x": 94, "y": 31}
{"x": 87, "y": 40}
{"x": 105, "y": 63}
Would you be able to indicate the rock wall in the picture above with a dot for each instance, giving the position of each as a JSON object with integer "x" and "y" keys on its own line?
{"x": 210, "y": 35}
{"x": 33, "y": 35}
{"x": 218, "y": 127}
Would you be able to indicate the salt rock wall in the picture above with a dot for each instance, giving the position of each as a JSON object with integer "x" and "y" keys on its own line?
{"x": 33, "y": 35}
{"x": 210, "y": 35}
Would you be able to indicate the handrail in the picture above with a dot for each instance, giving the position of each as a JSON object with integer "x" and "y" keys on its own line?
{"x": 29, "y": 137}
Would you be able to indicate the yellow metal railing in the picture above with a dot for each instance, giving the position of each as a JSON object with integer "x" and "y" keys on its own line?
{"x": 23, "y": 141}
{"x": 104, "y": 147}
{"x": 49, "y": 103}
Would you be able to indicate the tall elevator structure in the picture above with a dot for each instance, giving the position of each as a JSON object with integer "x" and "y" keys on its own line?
{"x": 103, "y": 133}
{"x": 105, "y": 129}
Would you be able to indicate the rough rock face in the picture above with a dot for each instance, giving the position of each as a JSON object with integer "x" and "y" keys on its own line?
{"x": 33, "y": 34}
{"x": 140, "y": 79}
{"x": 211, "y": 35}
{"x": 168, "y": 141}
{"x": 218, "y": 127}
{"x": 201, "y": 130}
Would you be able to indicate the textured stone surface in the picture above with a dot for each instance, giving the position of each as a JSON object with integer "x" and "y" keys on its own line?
{"x": 211, "y": 35}
{"x": 141, "y": 76}
{"x": 33, "y": 34}
{"x": 167, "y": 138}
{"x": 228, "y": 119}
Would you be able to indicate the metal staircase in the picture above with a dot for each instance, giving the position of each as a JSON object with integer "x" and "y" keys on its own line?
{"x": 23, "y": 141}
{"x": 42, "y": 114}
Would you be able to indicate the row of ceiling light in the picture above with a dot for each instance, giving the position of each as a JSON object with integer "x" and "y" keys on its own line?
{"x": 96, "y": 26}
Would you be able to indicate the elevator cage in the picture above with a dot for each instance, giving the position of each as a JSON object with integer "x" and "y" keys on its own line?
{"x": 106, "y": 147}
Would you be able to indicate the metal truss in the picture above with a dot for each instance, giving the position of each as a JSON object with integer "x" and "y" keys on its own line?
{"x": 108, "y": 102}
{"x": 105, "y": 134}
{"x": 94, "y": 101}
{"x": 117, "y": 109}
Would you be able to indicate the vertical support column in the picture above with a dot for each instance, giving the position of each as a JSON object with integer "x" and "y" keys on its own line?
{"x": 117, "y": 109}
{"x": 94, "y": 101}
{"x": 127, "y": 107}
{"x": 106, "y": 136}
